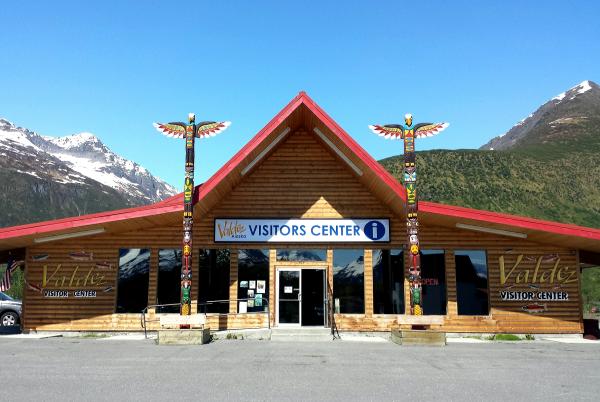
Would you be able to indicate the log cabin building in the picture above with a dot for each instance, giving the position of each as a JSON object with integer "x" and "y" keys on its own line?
{"x": 302, "y": 227}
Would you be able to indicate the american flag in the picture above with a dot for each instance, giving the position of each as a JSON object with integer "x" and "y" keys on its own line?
{"x": 11, "y": 266}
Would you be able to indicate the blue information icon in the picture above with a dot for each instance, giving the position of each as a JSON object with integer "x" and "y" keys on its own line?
{"x": 374, "y": 230}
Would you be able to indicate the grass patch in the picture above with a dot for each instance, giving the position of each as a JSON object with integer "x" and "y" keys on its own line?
{"x": 234, "y": 336}
{"x": 506, "y": 337}
{"x": 94, "y": 336}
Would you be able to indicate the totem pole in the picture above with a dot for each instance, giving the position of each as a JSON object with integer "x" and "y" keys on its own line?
{"x": 189, "y": 132}
{"x": 408, "y": 132}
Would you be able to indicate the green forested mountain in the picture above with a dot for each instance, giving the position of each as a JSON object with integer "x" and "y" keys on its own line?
{"x": 525, "y": 182}
{"x": 547, "y": 166}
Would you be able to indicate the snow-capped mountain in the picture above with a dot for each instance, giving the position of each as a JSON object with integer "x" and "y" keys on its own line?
{"x": 49, "y": 177}
{"x": 88, "y": 157}
{"x": 564, "y": 116}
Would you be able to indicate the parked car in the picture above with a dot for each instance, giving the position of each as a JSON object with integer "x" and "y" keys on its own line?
{"x": 10, "y": 311}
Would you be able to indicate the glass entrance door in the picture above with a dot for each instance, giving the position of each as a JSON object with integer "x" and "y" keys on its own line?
{"x": 288, "y": 292}
{"x": 301, "y": 297}
{"x": 313, "y": 297}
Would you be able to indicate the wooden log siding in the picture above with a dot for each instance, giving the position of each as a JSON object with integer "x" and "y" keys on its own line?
{"x": 300, "y": 179}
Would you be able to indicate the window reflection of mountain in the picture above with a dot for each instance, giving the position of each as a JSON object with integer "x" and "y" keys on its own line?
{"x": 471, "y": 286}
{"x": 253, "y": 256}
{"x": 253, "y": 265}
{"x": 133, "y": 262}
{"x": 169, "y": 259}
{"x": 388, "y": 281}
{"x": 301, "y": 255}
{"x": 169, "y": 280}
{"x": 132, "y": 286}
{"x": 353, "y": 271}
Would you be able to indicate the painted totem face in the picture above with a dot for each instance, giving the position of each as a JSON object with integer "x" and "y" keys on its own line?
{"x": 410, "y": 175}
{"x": 414, "y": 239}
{"x": 411, "y": 209}
{"x": 187, "y": 189}
{"x": 408, "y": 119}
{"x": 187, "y": 236}
{"x": 414, "y": 249}
{"x": 412, "y": 224}
{"x": 411, "y": 193}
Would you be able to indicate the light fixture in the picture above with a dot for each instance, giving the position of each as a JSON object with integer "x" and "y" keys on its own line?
{"x": 69, "y": 235}
{"x": 490, "y": 230}
{"x": 265, "y": 151}
{"x": 338, "y": 152}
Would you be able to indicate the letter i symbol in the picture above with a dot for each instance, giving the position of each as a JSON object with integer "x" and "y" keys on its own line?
{"x": 374, "y": 230}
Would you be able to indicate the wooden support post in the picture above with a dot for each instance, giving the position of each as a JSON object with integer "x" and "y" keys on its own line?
{"x": 272, "y": 285}
{"x": 452, "y": 301}
{"x": 233, "y": 281}
{"x": 368, "y": 283}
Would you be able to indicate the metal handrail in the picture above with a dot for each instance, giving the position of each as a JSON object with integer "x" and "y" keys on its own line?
{"x": 266, "y": 305}
{"x": 330, "y": 305}
{"x": 265, "y": 300}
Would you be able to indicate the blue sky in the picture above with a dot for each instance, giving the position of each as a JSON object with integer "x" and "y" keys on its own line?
{"x": 114, "y": 67}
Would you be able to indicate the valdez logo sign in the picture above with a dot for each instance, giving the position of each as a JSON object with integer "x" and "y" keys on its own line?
{"x": 234, "y": 230}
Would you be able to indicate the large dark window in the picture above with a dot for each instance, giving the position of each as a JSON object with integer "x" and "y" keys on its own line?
{"x": 433, "y": 276}
{"x": 388, "y": 282}
{"x": 134, "y": 273}
{"x": 471, "y": 282}
{"x": 349, "y": 281}
{"x": 302, "y": 255}
{"x": 168, "y": 290}
{"x": 213, "y": 281}
{"x": 253, "y": 280}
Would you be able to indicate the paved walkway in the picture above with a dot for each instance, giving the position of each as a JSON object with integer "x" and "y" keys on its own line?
{"x": 99, "y": 369}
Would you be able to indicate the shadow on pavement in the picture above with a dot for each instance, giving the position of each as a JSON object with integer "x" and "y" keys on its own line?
{"x": 15, "y": 329}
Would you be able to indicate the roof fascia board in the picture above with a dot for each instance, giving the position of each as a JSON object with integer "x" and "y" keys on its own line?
{"x": 265, "y": 151}
{"x": 338, "y": 152}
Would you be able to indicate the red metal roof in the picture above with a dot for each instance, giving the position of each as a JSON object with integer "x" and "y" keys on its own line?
{"x": 175, "y": 203}
{"x": 509, "y": 220}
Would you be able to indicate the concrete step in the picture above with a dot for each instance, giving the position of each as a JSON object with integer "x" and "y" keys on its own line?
{"x": 301, "y": 334}
{"x": 183, "y": 336}
{"x": 418, "y": 337}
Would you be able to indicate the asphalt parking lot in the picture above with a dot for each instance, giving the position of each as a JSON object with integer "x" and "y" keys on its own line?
{"x": 104, "y": 369}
